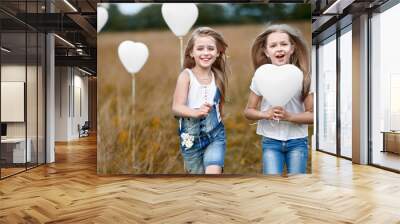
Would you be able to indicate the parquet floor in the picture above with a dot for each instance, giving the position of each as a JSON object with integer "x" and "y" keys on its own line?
{"x": 69, "y": 191}
{"x": 10, "y": 171}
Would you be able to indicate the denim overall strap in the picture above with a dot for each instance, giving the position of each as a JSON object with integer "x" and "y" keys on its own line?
{"x": 217, "y": 97}
{"x": 202, "y": 126}
{"x": 217, "y": 101}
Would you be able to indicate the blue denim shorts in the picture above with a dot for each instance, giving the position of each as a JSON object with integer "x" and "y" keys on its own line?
{"x": 276, "y": 153}
{"x": 204, "y": 150}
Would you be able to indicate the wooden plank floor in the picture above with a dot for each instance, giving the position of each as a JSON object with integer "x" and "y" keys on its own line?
{"x": 69, "y": 191}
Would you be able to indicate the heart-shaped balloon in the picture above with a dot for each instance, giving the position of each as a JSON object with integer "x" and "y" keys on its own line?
{"x": 278, "y": 84}
{"x": 179, "y": 17}
{"x": 102, "y": 17}
{"x": 133, "y": 55}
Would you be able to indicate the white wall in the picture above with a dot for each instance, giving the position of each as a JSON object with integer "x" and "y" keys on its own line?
{"x": 61, "y": 103}
{"x": 32, "y": 126}
{"x": 70, "y": 83}
{"x": 12, "y": 101}
{"x": 12, "y": 73}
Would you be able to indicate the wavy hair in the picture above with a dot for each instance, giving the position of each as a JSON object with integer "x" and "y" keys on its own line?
{"x": 219, "y": 67}
{"x": 300, "y": 56}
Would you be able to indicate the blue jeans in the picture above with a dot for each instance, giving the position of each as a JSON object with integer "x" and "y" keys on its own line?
{"x": 276, "y": 153}
{"x": 207, "y": 149}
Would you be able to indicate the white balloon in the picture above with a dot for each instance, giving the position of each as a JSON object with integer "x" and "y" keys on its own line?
{"x": 102, "y": 17}
{"x": 179, "y": 17}
{"x": 133, "y": 55}
{"x": 278, "y": 84}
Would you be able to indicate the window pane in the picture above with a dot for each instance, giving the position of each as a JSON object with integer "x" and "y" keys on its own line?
{"x": 327, "y": 96}
{"x": 385, "y": 88}
{"x": 345, "y": 94}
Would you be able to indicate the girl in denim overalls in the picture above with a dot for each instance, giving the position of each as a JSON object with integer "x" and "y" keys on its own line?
{"x": 284, "y": 142}
{"x": 198, "y": 100}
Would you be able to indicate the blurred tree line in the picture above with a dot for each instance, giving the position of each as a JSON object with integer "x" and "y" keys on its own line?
{"x": 209, "y": 14}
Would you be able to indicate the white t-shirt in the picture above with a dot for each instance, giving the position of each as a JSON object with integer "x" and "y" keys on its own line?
{"x": 282, "y": 130}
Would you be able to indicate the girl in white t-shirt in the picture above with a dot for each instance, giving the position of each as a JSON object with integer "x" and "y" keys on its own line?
{"x": 283, "y": 142}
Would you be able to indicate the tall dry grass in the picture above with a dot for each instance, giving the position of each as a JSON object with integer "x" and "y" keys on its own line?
{"x": 151, "y": 147}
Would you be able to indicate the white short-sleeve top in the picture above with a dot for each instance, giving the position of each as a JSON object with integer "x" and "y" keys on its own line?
{"x": 282, "y": 130}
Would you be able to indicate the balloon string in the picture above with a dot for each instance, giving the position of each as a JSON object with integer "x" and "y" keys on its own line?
{"x": 133, "y": 89}
{"x": 181, "y": 50}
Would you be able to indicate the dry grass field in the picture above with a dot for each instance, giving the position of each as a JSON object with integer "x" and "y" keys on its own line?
{"x": 153, "y": 147}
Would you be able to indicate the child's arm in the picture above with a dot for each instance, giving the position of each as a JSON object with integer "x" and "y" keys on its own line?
{"x": 252, "y": 113}
{"x": 306, "y": 117}
{"x": 179, "y": 107}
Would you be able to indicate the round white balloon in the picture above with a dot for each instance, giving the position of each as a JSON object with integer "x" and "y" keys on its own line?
{"x": 278, "y": 84}
{"x": 102, "y": 17}
{"x": 133, "y": 55}
{"x": 179, "y": 17}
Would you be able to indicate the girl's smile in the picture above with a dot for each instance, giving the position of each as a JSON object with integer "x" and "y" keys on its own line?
{"x": 205, "y": 59}
{"x": 278, "y": 48}
{"x": 204, "y": 51}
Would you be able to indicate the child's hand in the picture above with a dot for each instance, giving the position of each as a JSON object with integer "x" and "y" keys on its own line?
{"x": 268, "y": 114}
{"x": 279, "y": 113}
{"x": 203, "y": 110}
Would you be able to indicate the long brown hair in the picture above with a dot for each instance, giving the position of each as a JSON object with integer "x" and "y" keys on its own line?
{"x": 300, "y": 56}
{"x": 219, "y": 67}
